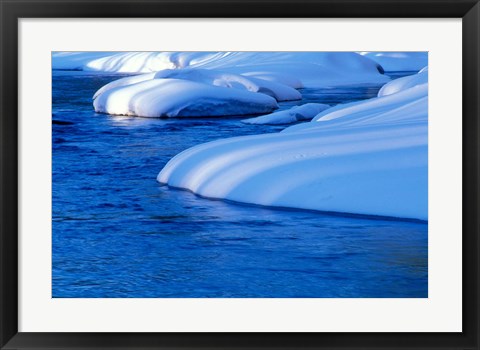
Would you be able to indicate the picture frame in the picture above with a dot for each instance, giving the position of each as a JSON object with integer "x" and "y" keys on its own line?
{"x": 12, "y": 11}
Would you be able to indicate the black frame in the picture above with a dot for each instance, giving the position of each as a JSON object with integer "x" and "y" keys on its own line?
{"x": 12, "y": 10}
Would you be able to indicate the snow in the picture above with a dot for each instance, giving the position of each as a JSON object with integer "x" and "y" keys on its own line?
{"x": 368, "y": 157}
{"x": 277, "y": 90}
{"x": 180, "y": 98}
{"x": 124, "y": 82}
{"x": 313, "y": 69}
{"x": 399, "y": 61}
{"x": 276, "y": 74}
{"x": 374, "y": 111}
{"x": 292, "y": 115}
{"x": 282, "y": 78}
{"x": 76, "y": 60}
{"x": 125, "y": 62}
{"x": 404, "y": 83}
{"x": 128, "y": 96}
{"x": 295, "y": 69}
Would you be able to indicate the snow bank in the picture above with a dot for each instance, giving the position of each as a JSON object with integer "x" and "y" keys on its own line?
{"x": 367, "y": 157}
{"x": 399, "y": 61}
{"x": 180, "y": 98}
{"x": 76, "y": 60}
{"x": 313, "y": 69}
{"x": 276, "y": 74}
{"x": 404, "y": 83}
{"x": 127, "y": 62}
{"x": 295, "y": 69}
{"x": 292, "y": 115}
{"x": 407, "y": 106}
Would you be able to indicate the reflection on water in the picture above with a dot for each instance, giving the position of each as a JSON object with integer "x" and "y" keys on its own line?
{"x": 118, "y": 233}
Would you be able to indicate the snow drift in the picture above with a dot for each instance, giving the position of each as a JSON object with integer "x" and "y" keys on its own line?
{"x": 399, "y": 61}
{"x": 294, "y": 69}
{"x": 276, "y": 74}
{"x": 367, "y": 157}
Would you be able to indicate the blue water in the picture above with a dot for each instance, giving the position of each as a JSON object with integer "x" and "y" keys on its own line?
{"x": 118, "y": 233}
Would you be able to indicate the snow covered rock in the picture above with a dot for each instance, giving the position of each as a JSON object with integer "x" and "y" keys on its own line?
{"x": 277, "y": 90}
{"x": 404, "y": 83}
{"x": 399, "y": 61}
{"x": 180, "y": 98}
{"x": 130, "y": 88}
{"x": 368, "y": 157}
{"x": 292, "y": 115}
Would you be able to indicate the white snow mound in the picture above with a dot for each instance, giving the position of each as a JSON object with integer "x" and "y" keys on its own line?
{"x": 368, "y": 157}
{"x": 292, "y": 115}
{"x": 180, "y": 98}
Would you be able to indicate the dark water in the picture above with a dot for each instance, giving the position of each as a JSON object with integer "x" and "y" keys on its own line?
{"x": 118, "y": 233}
